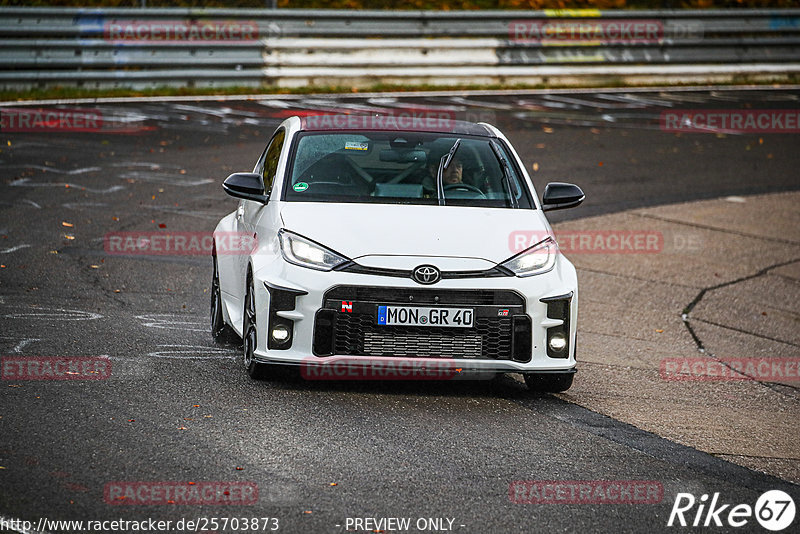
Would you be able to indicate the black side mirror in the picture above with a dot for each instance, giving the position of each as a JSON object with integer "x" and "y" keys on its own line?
{"x": 246, "y": 185}
{"x": 558, "y": 196}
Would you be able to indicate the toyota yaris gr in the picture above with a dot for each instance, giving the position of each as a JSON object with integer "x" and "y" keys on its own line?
{"x": 375, "y": 238}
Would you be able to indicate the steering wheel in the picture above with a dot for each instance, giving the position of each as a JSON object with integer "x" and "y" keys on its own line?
{"x": 465, "y": 187}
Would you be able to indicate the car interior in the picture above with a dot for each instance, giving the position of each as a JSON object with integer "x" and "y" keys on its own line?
{"x": 395, "y": 167}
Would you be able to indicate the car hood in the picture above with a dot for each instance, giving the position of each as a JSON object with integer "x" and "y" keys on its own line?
{"x": 360, "y": 230}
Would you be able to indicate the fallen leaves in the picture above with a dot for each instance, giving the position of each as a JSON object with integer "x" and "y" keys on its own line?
{"x": 72, "y": 486}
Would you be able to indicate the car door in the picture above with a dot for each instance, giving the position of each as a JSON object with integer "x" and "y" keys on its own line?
{"x": 249, "y": 211}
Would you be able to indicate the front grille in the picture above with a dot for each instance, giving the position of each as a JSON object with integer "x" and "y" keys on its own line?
{"x": 353, "y": 267}
{"x": 356, "y": 332}
{"x": 359, "y": 335}
{"x": 430, "y": 345}
{"x": 414, "y": 296}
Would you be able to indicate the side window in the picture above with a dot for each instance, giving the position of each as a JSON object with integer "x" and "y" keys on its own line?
{"x": 272, "y": 155}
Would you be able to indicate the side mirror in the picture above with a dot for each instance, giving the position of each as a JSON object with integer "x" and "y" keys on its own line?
{"x": 558, "y": 196}
{"x": 246, "y": 185}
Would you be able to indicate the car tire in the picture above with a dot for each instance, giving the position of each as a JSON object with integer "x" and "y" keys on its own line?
{"x": 549, "y": 382}
{"x": 220, "y": 330}
{"x": 257, "y": 371}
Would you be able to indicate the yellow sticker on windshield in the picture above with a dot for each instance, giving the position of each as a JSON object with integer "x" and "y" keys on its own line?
{"x": 356, "y": 145}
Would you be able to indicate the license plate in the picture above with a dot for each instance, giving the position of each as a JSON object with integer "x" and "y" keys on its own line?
{"x": 416, "y": 316}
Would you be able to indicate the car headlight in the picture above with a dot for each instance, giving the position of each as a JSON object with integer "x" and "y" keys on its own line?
{"x": 538, "y": 259}
{"x": 300, "y": 251}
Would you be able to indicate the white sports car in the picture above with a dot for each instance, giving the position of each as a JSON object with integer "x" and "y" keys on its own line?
{"x": 381, "y": 239}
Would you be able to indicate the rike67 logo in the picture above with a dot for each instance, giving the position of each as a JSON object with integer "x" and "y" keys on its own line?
{"x": 774, "y": 510}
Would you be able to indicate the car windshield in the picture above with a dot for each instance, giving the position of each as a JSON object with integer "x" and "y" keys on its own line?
{"x": 402, "y": 168}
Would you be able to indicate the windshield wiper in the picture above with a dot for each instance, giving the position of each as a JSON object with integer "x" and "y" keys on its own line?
{"x": 443, "y": 164}
{"x": 513, "y": 190}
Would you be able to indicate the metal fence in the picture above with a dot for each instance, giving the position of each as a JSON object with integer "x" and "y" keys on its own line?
{"x": 141, "y": 48}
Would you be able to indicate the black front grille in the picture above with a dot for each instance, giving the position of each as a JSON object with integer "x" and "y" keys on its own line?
{"x": 355, "y": 331}
{"x": 358, "y": 334}
{"x": 353, "y": 267}
{"x": 414, "y": 296}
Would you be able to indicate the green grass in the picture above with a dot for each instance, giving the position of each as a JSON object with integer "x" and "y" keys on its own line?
{"x": 449, "y": 5}
{"x": 65, "y": 93}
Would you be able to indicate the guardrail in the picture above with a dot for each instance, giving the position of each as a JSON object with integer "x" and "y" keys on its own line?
{"x": 141, "y": 48}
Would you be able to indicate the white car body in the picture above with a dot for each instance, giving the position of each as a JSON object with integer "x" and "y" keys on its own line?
{"x": 393, "y": 237}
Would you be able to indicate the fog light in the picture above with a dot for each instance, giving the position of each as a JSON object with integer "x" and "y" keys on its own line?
{"x": 557, "y": 342}
{"x": 280, "y": 333}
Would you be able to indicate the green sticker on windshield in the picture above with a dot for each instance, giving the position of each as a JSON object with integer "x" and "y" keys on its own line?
{"x": 300, "y": 187}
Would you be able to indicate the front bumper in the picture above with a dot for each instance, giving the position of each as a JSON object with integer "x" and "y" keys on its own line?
{"x": 332, "y": 318}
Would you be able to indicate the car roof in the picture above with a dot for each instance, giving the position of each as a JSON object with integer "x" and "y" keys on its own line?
{"x": 401, "y": 121}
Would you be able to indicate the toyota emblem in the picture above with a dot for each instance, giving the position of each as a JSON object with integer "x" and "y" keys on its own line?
{"x": 426, "y": 274}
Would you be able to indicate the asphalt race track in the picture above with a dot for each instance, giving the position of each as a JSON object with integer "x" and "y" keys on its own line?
{"x": 178, "y": 407}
